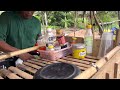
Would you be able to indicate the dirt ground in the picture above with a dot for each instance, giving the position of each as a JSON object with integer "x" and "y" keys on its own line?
{"x": 79, "y": 33}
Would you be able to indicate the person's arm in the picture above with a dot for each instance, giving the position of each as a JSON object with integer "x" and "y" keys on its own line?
{"x": 6, "y": 47}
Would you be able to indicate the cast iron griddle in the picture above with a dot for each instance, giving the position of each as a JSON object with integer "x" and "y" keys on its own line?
{"x": 57, "y": 71}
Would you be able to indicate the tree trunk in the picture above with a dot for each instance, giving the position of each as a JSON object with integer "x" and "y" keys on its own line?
{"x": 119, "y": 17}
{"x": 66, "y": 20}
{"x": 46, "y": 21}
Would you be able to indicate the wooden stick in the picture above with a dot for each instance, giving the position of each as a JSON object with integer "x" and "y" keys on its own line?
{"x": 116, "y": 65}
{"x": 20, "y": 72}
{"x": 96, "y": 20}
{"x": 76, "y": 60}
{"x": 92, "y": 57}
{"x": 9, "y": 74}
{"x": 107, "y": 76}
{"x": 32, "y": 65}
{"x": 112, "y": 52}
{"x": 37, "y": 63}
{"x": 85, "y": 59}
{"x": 11, "y": 54}
{"x": 117, "y": 38}
{"x": 41, "y": 61}
{"x": 79, "y": 64}
{"x": 1, "y": 77}
{"x": 31, "y": 70}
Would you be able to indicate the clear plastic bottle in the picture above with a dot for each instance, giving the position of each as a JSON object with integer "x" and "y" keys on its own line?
{"x": 88, "y": 40}
{"x": 50, "y": 36}
{"x": 106, "y": 44}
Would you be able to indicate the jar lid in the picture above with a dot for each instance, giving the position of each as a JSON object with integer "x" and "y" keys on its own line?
{"x": 79, "y": 45}
{"x": 51, "y": 47}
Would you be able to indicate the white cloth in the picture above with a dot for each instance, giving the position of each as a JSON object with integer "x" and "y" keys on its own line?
{"x": 18, "y": 61}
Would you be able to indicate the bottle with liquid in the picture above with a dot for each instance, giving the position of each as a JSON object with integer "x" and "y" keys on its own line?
{"x": 41, "y": 41}
{"x": 106, "y": 44}
{"x": 50, "y": 36}
{"x": 88, "y": 40}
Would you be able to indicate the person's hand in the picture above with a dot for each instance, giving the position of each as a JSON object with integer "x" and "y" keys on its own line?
{"x": 26, "y": 56}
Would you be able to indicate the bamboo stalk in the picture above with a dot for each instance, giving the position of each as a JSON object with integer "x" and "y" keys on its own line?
{"x": 112, "y": 52}
{"x": 20, "y": 72}
{"x": 10, "y": 75}
{"x": 12, "y": 54}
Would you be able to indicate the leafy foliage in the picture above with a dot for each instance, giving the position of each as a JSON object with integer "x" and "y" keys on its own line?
{"x": 66, "y": 19}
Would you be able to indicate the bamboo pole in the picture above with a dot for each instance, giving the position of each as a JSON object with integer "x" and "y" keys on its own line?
{"x": 12, "y": 54}
{"x": 92, "y": 70}
{"x": 20, "y": 72}
{"x": 112, "y": 52}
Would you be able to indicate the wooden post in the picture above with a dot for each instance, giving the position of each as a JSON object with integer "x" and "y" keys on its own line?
{"x": 119, "y": 17}
{"x": 107, "y": 76}
{"x": 118, "y": 31}
{"x": 116, "y": 65}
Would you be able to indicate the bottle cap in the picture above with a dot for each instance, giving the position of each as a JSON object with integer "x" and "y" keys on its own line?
{"x": 109, "y": 30}
{"x": 51, "y": 47}
{"x": 74, "y": 38}
{"x": 89, "y": 26}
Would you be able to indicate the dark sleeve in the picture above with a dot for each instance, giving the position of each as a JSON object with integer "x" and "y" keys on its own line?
{"x": 3, "y": 27}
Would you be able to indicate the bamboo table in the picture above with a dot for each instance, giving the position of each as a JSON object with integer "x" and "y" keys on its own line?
{"x": 29, "y": 68}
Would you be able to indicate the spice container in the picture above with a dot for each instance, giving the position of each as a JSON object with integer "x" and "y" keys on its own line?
{"x": 79, "y": 51}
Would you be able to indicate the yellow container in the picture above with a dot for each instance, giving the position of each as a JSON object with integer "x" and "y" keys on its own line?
{"x": 79, "y": 51}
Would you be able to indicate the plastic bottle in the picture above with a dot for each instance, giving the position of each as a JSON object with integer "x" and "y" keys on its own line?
{"x": 106, "y": 44}
{"x": 41, "y": 41}
{"x": 88, "y": 39}
{"x": 50, "y": 36}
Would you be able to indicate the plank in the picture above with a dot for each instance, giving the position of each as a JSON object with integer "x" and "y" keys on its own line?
{"x": 92, "y": 57}
{"x": 20, "y": 72}
{"x": 86, "y": 59}
{"x": 37, "y": 63}
{"x": 79, "y": 64}
{"x": 50, "y": 61}
{"x": 31, "y": 65}
{"x": 42, "y": 61}
{"x": 27, "y": 68}
{"x": 76, "y": 60}
{"x": 82, "y": 68}
{"x": 10, "y": 75}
